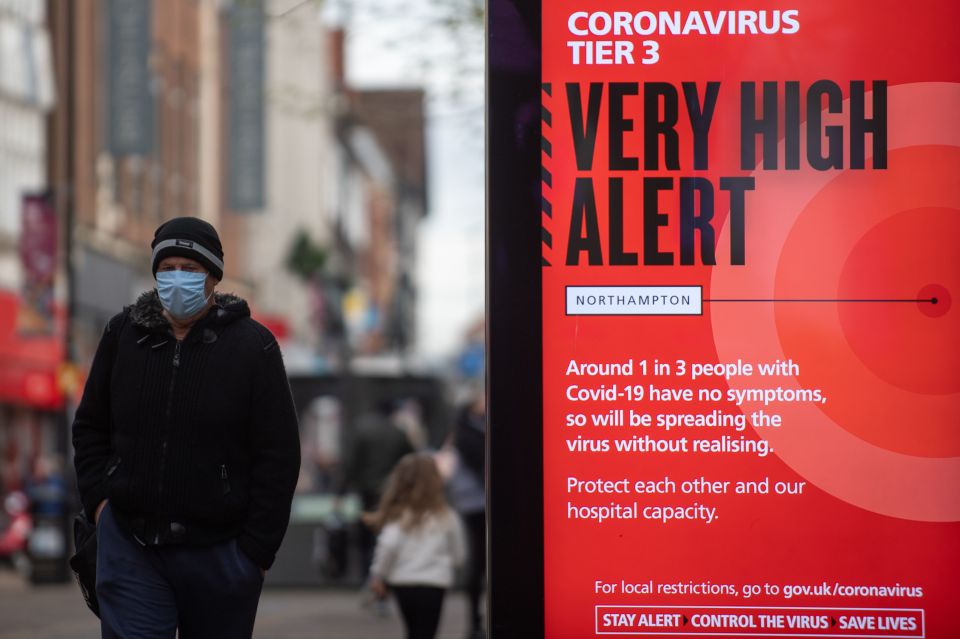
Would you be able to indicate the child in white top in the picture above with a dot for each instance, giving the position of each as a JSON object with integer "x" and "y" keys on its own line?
{"x": 420, "y": 545}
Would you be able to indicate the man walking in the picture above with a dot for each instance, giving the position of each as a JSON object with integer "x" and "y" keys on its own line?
{"x": 187, "y": 451}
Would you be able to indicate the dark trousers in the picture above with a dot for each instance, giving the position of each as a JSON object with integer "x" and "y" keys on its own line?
{"x": 420, "y": 608}
{"x": 475, "y": 524}
{"x": 148, "y": 592}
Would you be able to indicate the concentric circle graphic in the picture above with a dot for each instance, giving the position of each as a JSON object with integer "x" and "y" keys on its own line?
{"x": 883, "y": 244}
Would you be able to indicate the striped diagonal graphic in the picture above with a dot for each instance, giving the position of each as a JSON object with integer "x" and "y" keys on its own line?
{"x": 546, "y": 177}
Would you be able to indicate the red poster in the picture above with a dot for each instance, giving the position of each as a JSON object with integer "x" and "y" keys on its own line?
{"x": 38, "y": 261}
{"x": 750, "y": 323}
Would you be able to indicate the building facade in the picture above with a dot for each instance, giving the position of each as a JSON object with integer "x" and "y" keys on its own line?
{"x": 116, "y": 115}
{"x": 31, "y": 295}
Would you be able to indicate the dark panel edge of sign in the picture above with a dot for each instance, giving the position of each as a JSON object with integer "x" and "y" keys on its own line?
{"x": 515, "y": 564}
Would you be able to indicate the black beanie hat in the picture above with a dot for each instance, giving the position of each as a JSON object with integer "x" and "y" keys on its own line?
{"x": 189, "y": 237}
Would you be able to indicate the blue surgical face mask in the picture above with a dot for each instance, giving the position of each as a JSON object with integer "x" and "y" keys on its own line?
{"x": 182, "y": 292}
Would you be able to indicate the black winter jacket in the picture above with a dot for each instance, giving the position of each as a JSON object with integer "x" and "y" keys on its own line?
{"x": 193, "y": 442}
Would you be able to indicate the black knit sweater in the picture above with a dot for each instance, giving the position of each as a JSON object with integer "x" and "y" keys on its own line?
{"x": 195, "y": 441}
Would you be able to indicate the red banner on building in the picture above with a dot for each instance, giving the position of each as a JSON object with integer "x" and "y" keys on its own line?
{"x": 38, "y": 262}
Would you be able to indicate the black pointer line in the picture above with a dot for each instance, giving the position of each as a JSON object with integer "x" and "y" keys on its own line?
{"x": 931, "y": 300}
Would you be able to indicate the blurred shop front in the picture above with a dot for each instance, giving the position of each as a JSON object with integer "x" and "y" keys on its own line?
{"x": 32, "y": 442}
{"x": 321, "y": 545}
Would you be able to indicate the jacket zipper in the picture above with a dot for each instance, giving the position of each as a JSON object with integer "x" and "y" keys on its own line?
{"x": 166, "y": 424}
{"x": 224, "y": 479}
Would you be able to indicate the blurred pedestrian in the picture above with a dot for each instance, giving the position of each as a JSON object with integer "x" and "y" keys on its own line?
{"x": 408, "y": 417}
{"x": 47, "y": 488}
{"x": 419, "y": 546}
{"x": 15, "y": 531}
{"x": 323, "y": 432}
{"x": 377, "y": 447}
{"x": 468, "y": 496}
{"x": 187, "y": 450}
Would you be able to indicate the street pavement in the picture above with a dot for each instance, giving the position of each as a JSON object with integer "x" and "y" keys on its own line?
{"x": 58, "y": 612}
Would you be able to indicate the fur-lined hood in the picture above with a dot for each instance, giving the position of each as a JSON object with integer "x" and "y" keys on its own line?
{"x": 147, "y": 312}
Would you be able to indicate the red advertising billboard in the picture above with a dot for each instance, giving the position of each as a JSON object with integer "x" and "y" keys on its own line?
{"x": 750, "y": 333}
